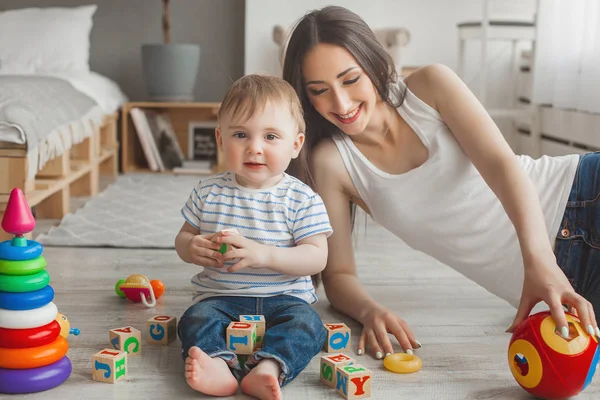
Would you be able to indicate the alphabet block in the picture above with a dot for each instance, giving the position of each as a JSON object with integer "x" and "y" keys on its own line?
{"x": 353, "y": 381}
{"x": 329, "y": 365}
{"x": 161, "y": 329}
{"x": 259, "y": 320}
{"x": 224, "y": 247}
{"x": 109, "y": 366}
{"x": 338, "y": 338}
{"x": 127, "y": 339}
{"x": 241, "y": 337}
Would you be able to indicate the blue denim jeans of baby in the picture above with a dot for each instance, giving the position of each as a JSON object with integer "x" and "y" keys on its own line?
{"x": 294, "y": 332}
{"x": 577, "y": 246}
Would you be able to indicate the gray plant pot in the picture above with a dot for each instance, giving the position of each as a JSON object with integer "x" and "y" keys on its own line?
{"x": 170, "y": 71}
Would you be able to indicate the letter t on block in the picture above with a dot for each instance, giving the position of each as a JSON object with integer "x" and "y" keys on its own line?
{"x": 338, "y": 338}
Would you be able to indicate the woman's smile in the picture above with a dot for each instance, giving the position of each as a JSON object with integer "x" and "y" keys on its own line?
{"x": 351, "y": 117}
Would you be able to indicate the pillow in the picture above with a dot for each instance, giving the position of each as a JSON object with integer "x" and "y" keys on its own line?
{"x": 38, "y": 40}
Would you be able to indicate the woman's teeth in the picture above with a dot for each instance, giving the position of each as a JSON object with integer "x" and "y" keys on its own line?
{"x": 350, "y": 115}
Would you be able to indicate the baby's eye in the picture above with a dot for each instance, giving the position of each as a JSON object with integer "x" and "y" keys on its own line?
{"x": 271, "y": 136}
{"x": 240, "y": 135}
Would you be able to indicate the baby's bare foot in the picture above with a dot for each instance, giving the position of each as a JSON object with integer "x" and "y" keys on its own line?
{"x": 209, "y": 375}
{"x": 263, "y": 381}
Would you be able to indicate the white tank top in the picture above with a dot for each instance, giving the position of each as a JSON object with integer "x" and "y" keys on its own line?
{"x": 445, "y": 209}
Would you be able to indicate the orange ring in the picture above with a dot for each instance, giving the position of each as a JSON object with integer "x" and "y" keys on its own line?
{"x": 33, "y": 357}
{"x": 402, "y": 363}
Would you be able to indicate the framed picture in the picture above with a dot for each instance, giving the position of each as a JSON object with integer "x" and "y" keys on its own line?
{"x": 202, "y": 144}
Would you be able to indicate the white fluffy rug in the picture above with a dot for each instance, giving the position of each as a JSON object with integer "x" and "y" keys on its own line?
{"x": 137, "y": 211}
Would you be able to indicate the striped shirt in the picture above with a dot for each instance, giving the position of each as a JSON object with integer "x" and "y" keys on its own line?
{"x": 279, "y": 216}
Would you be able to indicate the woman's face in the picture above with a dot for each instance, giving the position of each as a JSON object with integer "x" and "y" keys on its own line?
{"x": 338, "y": 88}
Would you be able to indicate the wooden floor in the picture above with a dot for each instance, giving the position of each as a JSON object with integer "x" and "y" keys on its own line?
{"x": 460, "y": 325}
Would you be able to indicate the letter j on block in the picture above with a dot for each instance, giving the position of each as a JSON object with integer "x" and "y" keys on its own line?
{"x": 338, "y": 338}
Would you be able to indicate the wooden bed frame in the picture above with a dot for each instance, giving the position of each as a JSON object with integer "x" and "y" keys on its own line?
{"x": 75, "y": 173}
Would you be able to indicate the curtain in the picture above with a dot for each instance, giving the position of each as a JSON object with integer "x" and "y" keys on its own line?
{"x": 566, "y": 72}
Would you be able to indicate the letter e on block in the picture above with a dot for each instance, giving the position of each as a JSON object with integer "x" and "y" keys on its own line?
{"x": 109, "y": 366}
{"x": 127, "y": 339}
{"x": 353, "y": 381}
{"x": 338, "y": 338}
{"x": 241, "y": 337}
{"x": 329, "y": 364}
{"x": 161, "y": 329}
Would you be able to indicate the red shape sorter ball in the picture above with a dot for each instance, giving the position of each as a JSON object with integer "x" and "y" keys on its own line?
{"x": 548, "y": 365}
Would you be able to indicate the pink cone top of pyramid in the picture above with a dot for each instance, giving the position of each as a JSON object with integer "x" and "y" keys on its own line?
{"x": 18, "y": 219}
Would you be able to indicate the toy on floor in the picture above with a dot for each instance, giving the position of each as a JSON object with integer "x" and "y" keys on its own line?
{"x": 32, "y": 350}
{"x": 161, "y": 329}
{"x": 137, "y": 288}
{"x": 109, "y": 365}
{"x": 548, "y": 365}
{"x": 245, "y": 336}
{"x": 127, "y": 339}
{"x": 338, "y": 338}
{"x": 402, "y": 363}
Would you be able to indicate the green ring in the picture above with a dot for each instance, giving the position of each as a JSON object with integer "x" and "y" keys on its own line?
{"x": 26, "y": 267}
{"x": 118, "y": 288}
{"x": 24, "y": 283}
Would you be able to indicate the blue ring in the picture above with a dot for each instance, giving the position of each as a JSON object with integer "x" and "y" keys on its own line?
{"x": 26, "y": 300}
{"x": 15, "y": 253}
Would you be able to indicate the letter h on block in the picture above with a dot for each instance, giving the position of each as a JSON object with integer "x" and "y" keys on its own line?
{"x": 353, "y": 382}
{"x": 338, "y": 338}
{"x": 241, "y": 337}
{"x": 109, "y": 366}
{"x": 161, "y": 329}
{"x": 329, "y": 366}
{"x": 127, "y": 339}
{"x": 259, "y": 320}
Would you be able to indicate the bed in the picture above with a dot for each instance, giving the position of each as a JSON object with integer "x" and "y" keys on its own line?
{"x": 58, "y": 118}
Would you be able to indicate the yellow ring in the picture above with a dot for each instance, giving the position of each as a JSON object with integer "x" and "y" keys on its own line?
{"x": 402, "y": 363}
{"x": 536, "y": 369}
{"x": 559, "y": 344}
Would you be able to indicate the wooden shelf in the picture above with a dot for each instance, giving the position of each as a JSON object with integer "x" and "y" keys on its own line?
{"x": 181, "y": 114}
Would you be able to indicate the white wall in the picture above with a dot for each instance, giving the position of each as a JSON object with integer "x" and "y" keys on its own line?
{"x": 432, "y": 24}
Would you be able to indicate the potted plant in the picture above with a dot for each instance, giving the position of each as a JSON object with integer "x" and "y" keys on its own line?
{"x": 170, "y": 69}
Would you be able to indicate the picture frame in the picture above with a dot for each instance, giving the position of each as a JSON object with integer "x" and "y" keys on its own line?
{"x": 202, "y": 143}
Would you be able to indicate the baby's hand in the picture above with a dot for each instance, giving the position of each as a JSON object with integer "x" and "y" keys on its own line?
{"x": 203, "y": 251}
{"x": 250, "y": 253}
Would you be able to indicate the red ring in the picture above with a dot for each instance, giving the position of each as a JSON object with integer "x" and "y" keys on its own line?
{"x": 32, "y": 337}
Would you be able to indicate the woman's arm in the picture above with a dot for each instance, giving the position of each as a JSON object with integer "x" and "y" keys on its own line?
{"x": 485, "y": 145}
{"x": 344, "y": 290}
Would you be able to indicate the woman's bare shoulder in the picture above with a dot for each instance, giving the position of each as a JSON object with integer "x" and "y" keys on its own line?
{"x": 424, "y": 81}
{"x": 328, "y": 167}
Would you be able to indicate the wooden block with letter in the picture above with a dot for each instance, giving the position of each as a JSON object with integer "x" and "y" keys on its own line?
{"x": 338, "y": 338}
{"x": 224, "y": 247}
{"x": 109, "y": 365}
{"x": 127, "y": 339}
{"x": 161, "y": 329}
{"x": 353, "y": 381}
{"x": 241, "y": 337}
{"x": 329, "y": 365}
{"x": 259, "y": 320}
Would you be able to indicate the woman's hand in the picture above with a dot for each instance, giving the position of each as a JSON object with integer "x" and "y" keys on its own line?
{"x": 203, "y": 251}
{"x": 250, "y": 253}
{"x": 378, "y": 322}
{"x": 545, "y": 281}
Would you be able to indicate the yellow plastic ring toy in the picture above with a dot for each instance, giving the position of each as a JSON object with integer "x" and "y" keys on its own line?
{"x": 33, "y": 357}
{"x": 402, "y": 363}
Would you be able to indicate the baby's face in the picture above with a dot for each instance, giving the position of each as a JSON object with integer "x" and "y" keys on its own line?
{"x": 259, "y": 149}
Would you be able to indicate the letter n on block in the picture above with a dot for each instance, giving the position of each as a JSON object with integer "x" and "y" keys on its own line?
{"x": 329, "y": 365}
{"x": 127, "y": 339}
{"x": 353, "y": 381}
{"x": 161, "y": 329}
{"x": 109, "y": 365}
{"x": 241, "y": 337}
{"x": 338, "y": 338}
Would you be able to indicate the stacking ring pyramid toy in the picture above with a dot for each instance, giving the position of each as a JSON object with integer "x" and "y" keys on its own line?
{"x": 33, "y": 344}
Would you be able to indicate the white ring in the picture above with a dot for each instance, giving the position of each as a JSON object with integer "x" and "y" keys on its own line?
{"x": 25, "y": 319}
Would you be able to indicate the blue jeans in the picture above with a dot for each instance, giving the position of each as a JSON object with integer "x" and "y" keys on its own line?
{"x": 577, "y": 246}
{"x": 294, "y": 332}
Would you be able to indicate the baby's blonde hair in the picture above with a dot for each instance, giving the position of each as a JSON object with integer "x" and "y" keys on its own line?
{"x": 250, "y": 94}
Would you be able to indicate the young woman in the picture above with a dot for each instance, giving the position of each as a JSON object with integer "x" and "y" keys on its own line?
{"x": 426, "y": 161}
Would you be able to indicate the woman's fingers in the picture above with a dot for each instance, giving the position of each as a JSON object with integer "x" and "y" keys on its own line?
{"x": 360, "y": 350}
{"x": 584, "y": 310}
{"x": 374, "y": 345}
{"x": 384, "y": 341}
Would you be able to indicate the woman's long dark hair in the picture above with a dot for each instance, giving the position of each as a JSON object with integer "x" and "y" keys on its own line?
{"x": 341, "y": 27}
